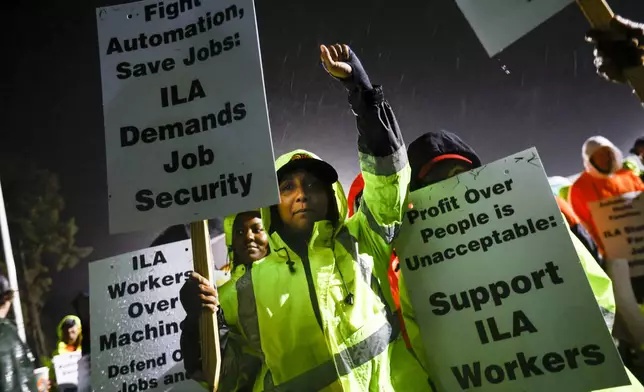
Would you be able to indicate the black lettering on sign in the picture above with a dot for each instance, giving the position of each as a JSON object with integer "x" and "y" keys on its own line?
{"x": 131, "y": 135}
{"x": 149, "y": 332}
{"x": 121, "y": 289}
{"x": 137, "y": 309}
{"x": 126, "y": 70}
{"x": 175, "y": 378}
{"x": 203, "y": 157}
{"x": 474, "y": 195}
{"x": 136, "y": 366}
{"x": 139, "y": 385}
{"x": 475, "y": 375}
{"x": 495, "y": 292}
{"x": 213, "y": 49}
{"x": 170, "y": 10}
{"x": 141, "y": 263}
{"x": 520, "y": 324}
{"x": 174, "y": 97}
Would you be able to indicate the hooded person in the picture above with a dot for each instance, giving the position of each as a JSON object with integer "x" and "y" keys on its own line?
{"x": 602, "y": 178}
{"x": 247, "y": 243}
{"x": 70, "y": 339}
{"x": 436, "y": 156}
{"x": 315, "y": 308}
{"x": 635, "y": 161}
{"x": 70, "y": 335}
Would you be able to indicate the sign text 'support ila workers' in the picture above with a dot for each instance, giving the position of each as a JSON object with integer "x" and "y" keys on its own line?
{"x": 500, "y": 296}
{"x": 186, "y": 123}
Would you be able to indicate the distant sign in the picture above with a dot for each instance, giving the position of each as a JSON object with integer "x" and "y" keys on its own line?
{"x": 135, "y": 317}
{"x": 499, "y": 23}
{"x": 72, "y": 372}
{"x": 620, "y": 224}
{"x": 501, "y": 298}
{"x": 186, "y": 123}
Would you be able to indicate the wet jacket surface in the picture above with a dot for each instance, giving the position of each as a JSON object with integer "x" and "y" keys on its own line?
{"x": 321, "y": 317}
{"x": 16, "y": 363}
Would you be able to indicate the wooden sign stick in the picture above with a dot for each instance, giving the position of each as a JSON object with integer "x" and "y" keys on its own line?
{"x": 208, "y": 328}
{"x": 599, "y": 15}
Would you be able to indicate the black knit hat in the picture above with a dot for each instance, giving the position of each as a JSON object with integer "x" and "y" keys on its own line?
{"x": 639, "y": 143}
{"x": 432, "y": 146}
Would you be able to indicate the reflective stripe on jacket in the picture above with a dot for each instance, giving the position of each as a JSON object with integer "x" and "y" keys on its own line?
{"x": 319, "y": 318}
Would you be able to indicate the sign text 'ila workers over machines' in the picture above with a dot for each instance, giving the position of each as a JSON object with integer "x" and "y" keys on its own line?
{"x": 498, "y": 291}
{"x": 186, "y": 123}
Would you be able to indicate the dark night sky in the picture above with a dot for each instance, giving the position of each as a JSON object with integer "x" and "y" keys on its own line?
{"x": 434, "y": 70}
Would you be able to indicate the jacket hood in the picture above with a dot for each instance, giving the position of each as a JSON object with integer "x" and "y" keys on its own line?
{"x": 59, "y": 329}
{"x": 356, "y": 187}
{"x": 340, "y": 198}
{"x": 432, "y": 145}
{"x": 591, "y": 146}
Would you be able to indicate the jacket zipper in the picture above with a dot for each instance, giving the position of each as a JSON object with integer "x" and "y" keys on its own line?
{"x": 312, "y": 295}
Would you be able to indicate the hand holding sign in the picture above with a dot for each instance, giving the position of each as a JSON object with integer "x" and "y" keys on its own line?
{"x": 617, "y": 48}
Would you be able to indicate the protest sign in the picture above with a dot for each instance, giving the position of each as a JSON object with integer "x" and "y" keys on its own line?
{"x": 620, "y": 224}
{"x": 71, "y": 372}
{"x": 499, "y": 23}
{"x": 186, "y": 123}
{"x": 500, "y": 296}
{"x": 135, "y": 317}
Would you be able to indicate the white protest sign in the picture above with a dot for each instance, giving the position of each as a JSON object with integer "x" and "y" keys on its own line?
{"x": 499, "y": 23}
{"x": 500, "y": 296}
{"x": 135, "y": 317}
{"x": 620, "y": 224}
{"x": 71, "y": 372}
{"x": 186, "y": 122}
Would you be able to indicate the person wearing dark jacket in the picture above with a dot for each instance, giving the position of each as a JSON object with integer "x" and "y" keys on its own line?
{"x": 16, "y": 361}
{"x": 436, "y": 156}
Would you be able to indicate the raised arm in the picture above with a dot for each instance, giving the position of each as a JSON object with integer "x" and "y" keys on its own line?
{"x": 381, "y": 150}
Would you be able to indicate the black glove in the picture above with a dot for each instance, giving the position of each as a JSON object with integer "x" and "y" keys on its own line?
{"x": 189, "y": 342}
{"x": 359, "y": 77}
{"x": 617, "y": 48}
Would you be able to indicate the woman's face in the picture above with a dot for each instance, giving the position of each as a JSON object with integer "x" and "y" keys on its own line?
{"x": 250, "y": 241}
{"x": 602, "y": 159}
{"x": 304, "y": 200}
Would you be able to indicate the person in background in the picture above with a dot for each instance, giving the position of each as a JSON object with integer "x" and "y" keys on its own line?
{"x": 70, "y": 336}
{"x": 436, "y": 156}
{"x": 635, "y": 161}
{"x": 247, "y": 242}
{"x": 619, "y": 48}
{"x": 314, "y": 307}
{"x": 81, "y": 307}
{"x": 560, "y": 187}
{"x": 16, "y": 361}
{"x": 602, "y": 178}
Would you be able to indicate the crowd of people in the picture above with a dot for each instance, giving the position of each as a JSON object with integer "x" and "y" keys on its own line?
{"x": 316, "y": 300}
